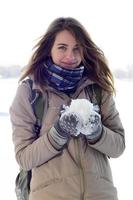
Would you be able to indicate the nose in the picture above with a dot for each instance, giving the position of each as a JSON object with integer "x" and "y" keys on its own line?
{"x": 70, "y": 57}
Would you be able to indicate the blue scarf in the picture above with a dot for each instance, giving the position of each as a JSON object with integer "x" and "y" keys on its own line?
{"x": 65, "y": 80}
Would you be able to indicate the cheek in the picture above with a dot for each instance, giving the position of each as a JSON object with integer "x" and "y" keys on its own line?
{"x": 56, "y": 58}
{"x": 79, "y": 60}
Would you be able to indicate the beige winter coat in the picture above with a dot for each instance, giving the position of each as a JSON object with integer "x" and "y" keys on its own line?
{"x": 81, "y": 171}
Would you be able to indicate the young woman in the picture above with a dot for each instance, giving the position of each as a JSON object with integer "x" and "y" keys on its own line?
{"x": 66, "y": 165}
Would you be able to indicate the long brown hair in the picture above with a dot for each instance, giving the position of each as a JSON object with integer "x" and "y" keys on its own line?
{"x": 93, "y": 57}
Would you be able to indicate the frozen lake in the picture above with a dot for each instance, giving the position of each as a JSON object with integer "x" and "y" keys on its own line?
{"x": 121, "y": 167}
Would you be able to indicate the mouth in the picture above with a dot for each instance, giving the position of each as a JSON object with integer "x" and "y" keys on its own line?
{"x": 68, "y": 65}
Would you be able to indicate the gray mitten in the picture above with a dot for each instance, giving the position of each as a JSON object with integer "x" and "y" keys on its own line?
{"x": 70, "y": 123}
{"x": 94, "y": 127}
{"x": 65, "y": 126}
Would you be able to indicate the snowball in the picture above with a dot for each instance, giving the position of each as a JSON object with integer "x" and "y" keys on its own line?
{"x": 84, "y": 110}
{"x": 82, "y": 107}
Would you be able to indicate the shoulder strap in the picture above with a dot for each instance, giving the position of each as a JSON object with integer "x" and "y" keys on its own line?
{"x": 37, "y": 103}
{"x": 95, "y": 92}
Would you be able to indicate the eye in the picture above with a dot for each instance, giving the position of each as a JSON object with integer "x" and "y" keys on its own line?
{"x": 63, "y": 48}
{"x": 76, "y": 50}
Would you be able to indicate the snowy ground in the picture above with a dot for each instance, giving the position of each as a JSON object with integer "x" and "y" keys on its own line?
{"x": 121, "y": 167}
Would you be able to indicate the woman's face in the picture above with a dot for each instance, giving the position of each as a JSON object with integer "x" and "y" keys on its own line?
{"x": 66, "y": 52}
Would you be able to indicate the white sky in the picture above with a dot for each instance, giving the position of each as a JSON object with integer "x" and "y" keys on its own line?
{"x": 109, "y": 23}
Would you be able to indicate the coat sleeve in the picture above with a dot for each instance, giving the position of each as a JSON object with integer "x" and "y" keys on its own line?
{"x": 112, "y": 142}
{"x": 30, "y": 152}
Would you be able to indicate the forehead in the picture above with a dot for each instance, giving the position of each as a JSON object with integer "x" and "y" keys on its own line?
{"x": 65, "y": 36}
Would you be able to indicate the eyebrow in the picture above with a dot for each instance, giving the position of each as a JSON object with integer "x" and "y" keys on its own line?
{"x": 63, "y": 44}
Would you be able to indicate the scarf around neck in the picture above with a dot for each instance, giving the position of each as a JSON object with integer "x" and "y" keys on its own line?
{"x": 62, "y": 79}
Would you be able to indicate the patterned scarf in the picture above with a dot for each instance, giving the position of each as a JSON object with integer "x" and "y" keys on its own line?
{"x": 62, "y": 79}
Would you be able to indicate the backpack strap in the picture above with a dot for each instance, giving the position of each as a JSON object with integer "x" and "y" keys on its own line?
{"x": 94, "y": 91}
{"x": 37, "y": 103}
{"x": 22, "y": 184}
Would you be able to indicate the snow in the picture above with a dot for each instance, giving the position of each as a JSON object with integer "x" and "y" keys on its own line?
{"x": 82, "y": 107}
{"x": 85, "y": 114}
{"x": 122, "y": 167}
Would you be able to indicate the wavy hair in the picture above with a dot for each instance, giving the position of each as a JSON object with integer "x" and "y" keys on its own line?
{"x": 92, "y": 56}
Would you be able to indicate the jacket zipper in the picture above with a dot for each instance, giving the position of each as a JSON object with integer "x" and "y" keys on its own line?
{"x": 81, "y": 170}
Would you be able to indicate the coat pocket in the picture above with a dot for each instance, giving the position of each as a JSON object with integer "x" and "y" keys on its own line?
{"x": 99, "y": 188}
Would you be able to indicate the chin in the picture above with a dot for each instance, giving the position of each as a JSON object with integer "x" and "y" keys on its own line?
{"x": 68, "y": 66}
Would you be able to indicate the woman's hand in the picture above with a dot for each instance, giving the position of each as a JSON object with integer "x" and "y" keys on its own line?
{"x": 93, "y": 130}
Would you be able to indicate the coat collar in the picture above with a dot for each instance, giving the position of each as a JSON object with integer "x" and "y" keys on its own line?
{"x": 85, "y": 81}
